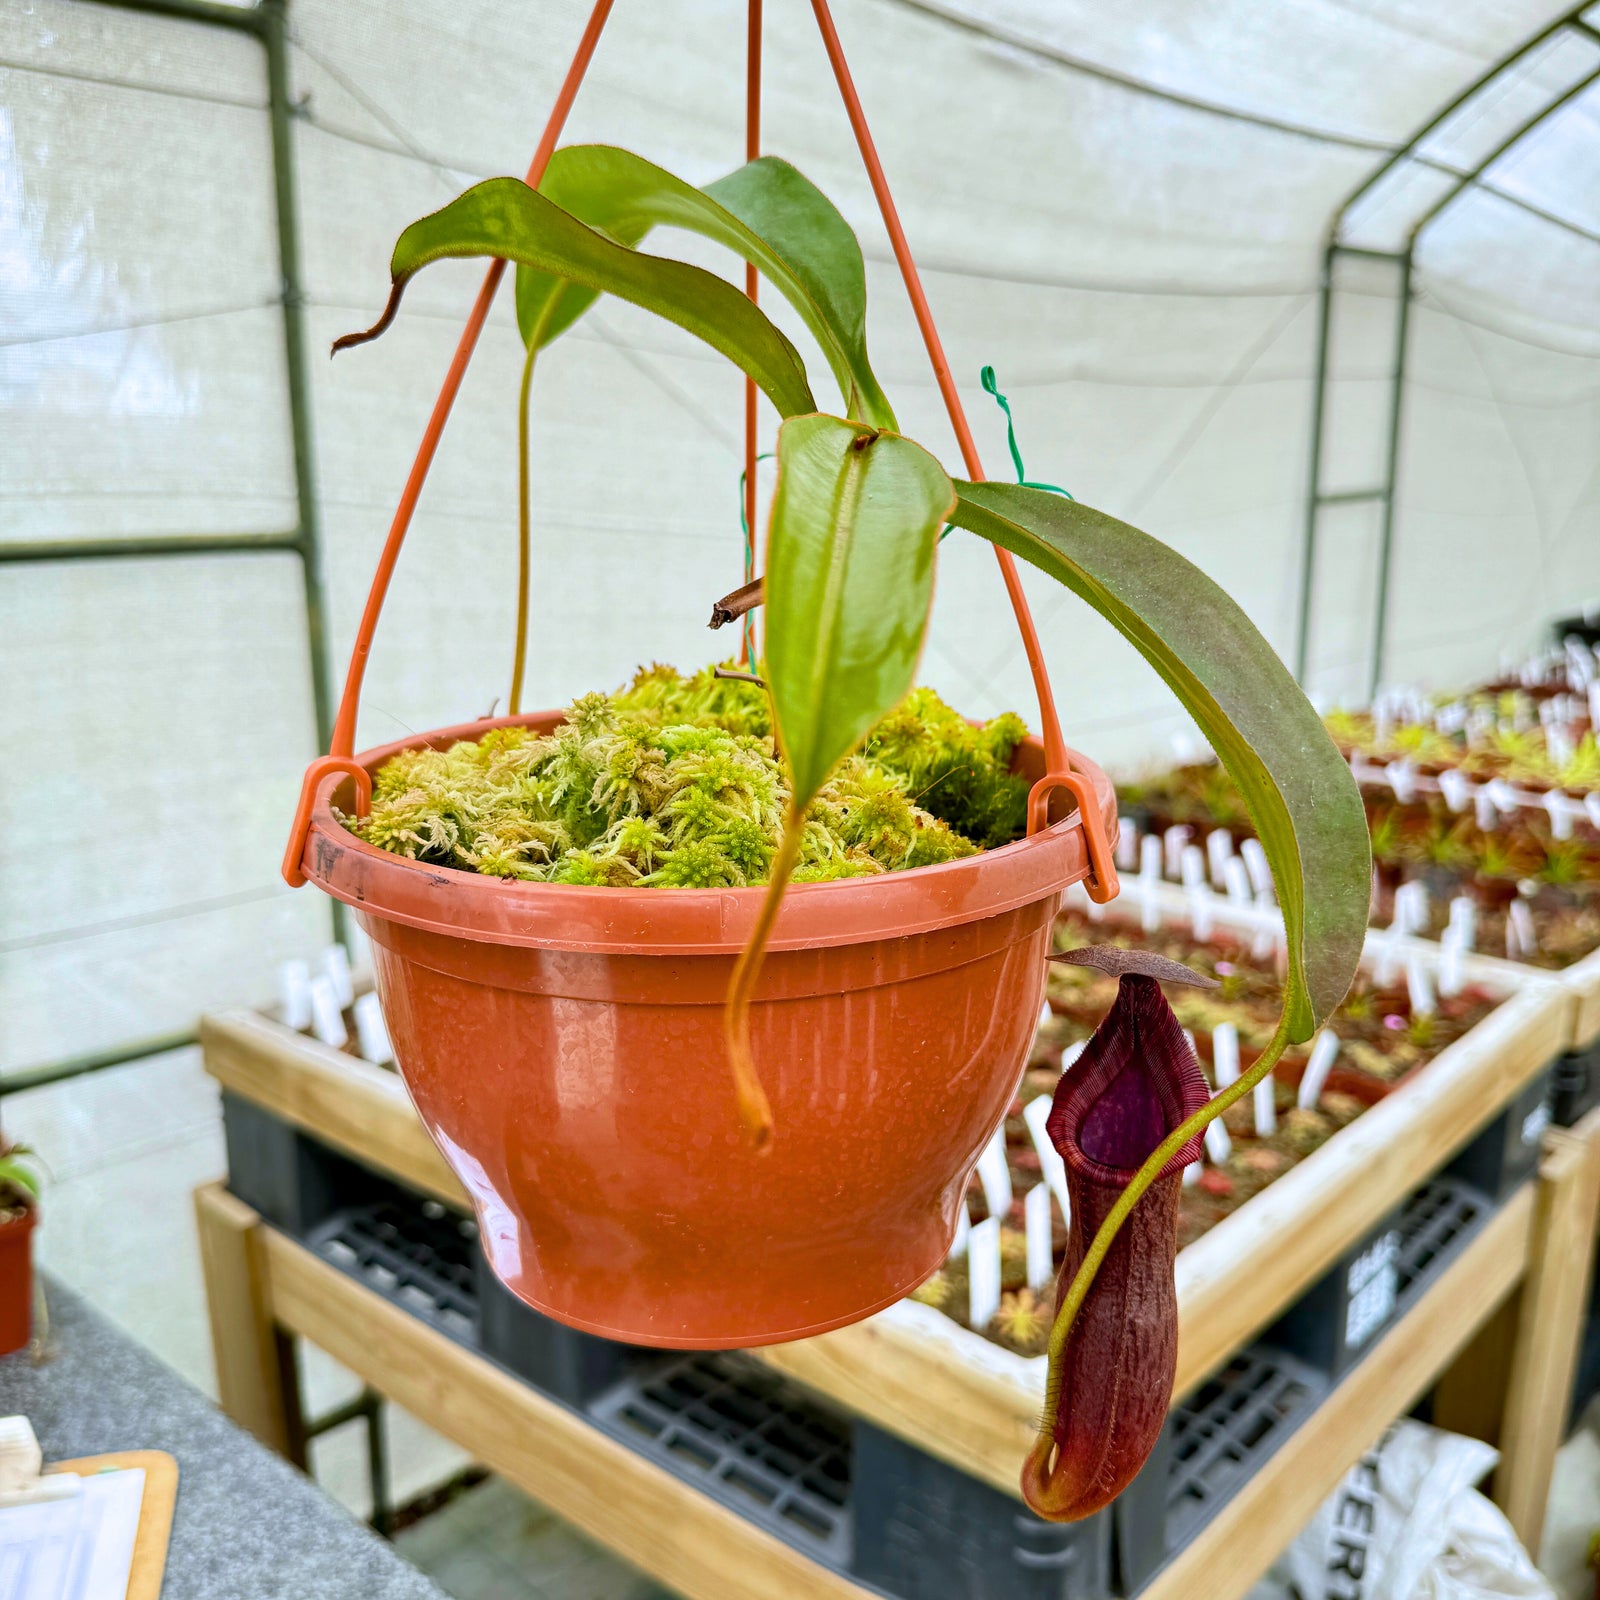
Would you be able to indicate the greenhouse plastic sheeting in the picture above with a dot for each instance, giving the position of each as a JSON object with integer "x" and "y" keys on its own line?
{"x": 1123, "y": 209}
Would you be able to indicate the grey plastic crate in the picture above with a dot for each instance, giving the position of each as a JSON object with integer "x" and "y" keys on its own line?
{"x": 1575, "y": 1089}
{"x": 420, "y": 1256}
{"x": 1506, "y": 1153}
{"x": 1348, "y": 1310}
{"x": 1216, "y": 1439}
{"x": 410, "y": 1249}
{"x": 1436, "y": 1223}
{"x": 746, "y": 1437}
{"x": 565, "y": 1363}
{"x": 926, "y": 1531}
{"x": 291, "y": 1179}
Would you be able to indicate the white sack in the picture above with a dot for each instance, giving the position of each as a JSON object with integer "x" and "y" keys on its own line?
{"x": 1407, "y": 1523}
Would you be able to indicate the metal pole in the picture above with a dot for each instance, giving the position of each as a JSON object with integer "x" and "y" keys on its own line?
{"x": 1386, "y": 539}
{"x": 1319, "y": 396}
{"x": 95, "y": 1061}
{"x": 144, "y": 545}
{"x": 275, "y": 36}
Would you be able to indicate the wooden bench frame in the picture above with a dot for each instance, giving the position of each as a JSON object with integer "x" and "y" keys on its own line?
{"x": 1510, "y": 1307}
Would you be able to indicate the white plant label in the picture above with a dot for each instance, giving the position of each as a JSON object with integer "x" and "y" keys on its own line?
{"x": 1260, "y": 869}
{"x": 958, "y": 1245}
{"x": 1191, "y": 1173}
{"x": 1521, "y": 940}
{"x": 1127, "y": 844}
{"x": 294, "y": 989}
{"x": 1411, "y": 907}
{"x": 1403, "y": 780}
{"x": 1560, "y": 809}
{"x": 1324, "y": 1052}
{"x": 1219, "y": 852}
{"x": 1202, "y": 911}
{"x": 1488, "y": 818}
{"x": 1236, "y": 881}
{"x": 983, "y": 1273}
{"x": 1266, "y": 1097}
{"x": 1456, "y": 787}
{"x": 1150, "y": 858}
{"x": 1225, "y": 1054}
{"x": 1452, "y": 962}
{"x": 371, "y": 1033}
{"x": 1173, "y": 843}
{"x": 1464, "y": 915}
{"x": 1041, "y": 1247}
{"x": 1046, "y": 1014}
{"x": 1192, "y": 866}
{"x": 1419, "y": 986}
{"x": 1390, "y": 955}
{"x": 326, "y": 1021}
{"x": 1218, "y": 1145}
{"x": 336, "y": 968}
{"x": 995, "y": 1175}
{"x": 1036, "y": 1114}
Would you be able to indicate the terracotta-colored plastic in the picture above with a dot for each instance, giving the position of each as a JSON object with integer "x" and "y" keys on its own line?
{"x": 564, "y": 1046}
{"x": 16, "y": 1281}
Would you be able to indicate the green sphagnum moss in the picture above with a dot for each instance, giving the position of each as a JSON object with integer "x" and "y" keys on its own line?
{"x": 673, "y": 782}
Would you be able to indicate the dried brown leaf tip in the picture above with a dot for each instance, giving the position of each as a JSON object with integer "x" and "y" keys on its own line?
{"x": 733, "y": 606}
{"x": 1110, "y": 1384}
{"x": 1120, "y": 963}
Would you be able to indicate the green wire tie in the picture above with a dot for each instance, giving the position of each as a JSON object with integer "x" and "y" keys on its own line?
{"x": 987, "y": 379}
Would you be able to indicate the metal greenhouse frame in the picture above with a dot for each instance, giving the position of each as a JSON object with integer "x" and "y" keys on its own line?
{"x": 268, "y": 22}
{"x": 1403, "y": 261}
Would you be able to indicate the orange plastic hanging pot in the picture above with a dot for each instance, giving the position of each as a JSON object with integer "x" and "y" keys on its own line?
{"x": 563, "y": 1044}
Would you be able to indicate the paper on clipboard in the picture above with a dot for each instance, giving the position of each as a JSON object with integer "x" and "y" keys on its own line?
{"x": 76, "y": 1548}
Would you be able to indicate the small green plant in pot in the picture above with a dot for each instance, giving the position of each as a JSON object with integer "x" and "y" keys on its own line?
{"x": 19, "y": 1205}
{"x": 851, "y": 549}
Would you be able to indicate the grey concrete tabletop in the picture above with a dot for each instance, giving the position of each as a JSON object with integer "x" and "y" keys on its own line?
{"x": 247, "y": 1525}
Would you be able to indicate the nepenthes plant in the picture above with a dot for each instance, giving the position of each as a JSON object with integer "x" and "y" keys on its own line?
{"x": 851, "y": 549}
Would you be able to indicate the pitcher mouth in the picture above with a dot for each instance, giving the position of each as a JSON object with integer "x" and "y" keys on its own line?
{"x": 468, "y": 905}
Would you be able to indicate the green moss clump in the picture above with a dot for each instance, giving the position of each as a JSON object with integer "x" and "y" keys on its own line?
{"x": 673, "y": 782}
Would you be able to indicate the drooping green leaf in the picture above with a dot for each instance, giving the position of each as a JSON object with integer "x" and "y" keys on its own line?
{"x": 850, "y": 557}
{"x": 765, "y": 212}
{"x": 504, "y": 217}
{"x": 1304, "y": 802}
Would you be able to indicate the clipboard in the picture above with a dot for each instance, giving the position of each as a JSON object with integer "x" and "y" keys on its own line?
{"x": 155, "y": 1511}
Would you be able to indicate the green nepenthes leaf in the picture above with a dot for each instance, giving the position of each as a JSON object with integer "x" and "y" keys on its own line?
{"x": 850, "y": 558}
{"x": 504, "y": 217}
{"x": 1301, "y": 795}
{"x": 851, "y": 544}
{"x": 765, "y": 212}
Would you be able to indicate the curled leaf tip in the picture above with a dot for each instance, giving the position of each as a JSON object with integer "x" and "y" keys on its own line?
{"x": 733, "y": 606}
{"x": 349, "y": 341}
{"x": 1120, "y": 963}
{"x": 1111, "y": 1375}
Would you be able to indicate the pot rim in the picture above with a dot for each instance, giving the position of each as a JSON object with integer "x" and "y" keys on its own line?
{"x": 661, "y": 921}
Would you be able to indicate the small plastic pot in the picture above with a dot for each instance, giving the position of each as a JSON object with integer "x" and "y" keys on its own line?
{"x": 16, "y": 1281}
{"x": 563, "y": 1044}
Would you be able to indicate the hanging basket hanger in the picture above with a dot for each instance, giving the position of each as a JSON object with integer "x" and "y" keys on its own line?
{"x": 1102, "y": 882}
